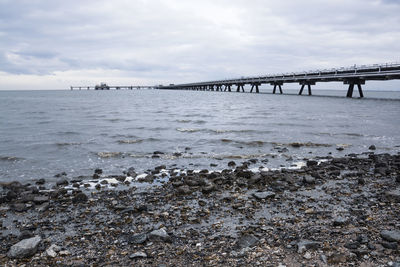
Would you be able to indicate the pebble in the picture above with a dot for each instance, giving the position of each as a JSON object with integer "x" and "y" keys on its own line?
{"x": 263, "y": 195}
{"x": 138, "y": 255}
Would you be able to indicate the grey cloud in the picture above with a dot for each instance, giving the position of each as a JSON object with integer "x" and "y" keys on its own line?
{"x": 181, "y": 41}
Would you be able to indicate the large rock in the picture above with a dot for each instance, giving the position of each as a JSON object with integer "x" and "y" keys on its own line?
{"x": 24, "y": 248}
{"x": 159, "y": 235}
{"x": 391, "y": 236}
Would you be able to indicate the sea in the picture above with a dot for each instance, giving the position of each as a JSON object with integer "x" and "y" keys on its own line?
{"x": 44, "y": 133}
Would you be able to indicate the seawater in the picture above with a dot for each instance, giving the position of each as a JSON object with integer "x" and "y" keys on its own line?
{"x": 43, "y": 133}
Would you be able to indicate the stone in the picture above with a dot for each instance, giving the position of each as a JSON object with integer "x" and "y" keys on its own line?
{"x": 308, "y": 179}
{"x": 138, "y": 239}
{"x": 25, "y": 248}
{"x": 80, "y": 198}
{"x": 139, "y": 254}
{"x": 40, "y": 199}
{"x": 340, "y": 221}
{"x": 372, "y": 147}
{"x": 391, "y": 236}
{"x": 41, "y": 181}
{"x": 304, "y": 245}
{"x": 393, "y": 195}
{"x": 231, "y": 164}
{"x": 246, "y": 241}
{"x": 159, "y": 235}
{"x": 62, "y": 182}
{"x": 98, "y": 171}
{"x": 208, "y": 188}
{"x": 183, "y": 190}
{"x": 52, "y": 251}
{"x": 307, "y": 255}
{"x": 311, "y": 163}
{"x": 19, "y": 207}
{"x": 263, "y": 195}
{"x": 390, "y": 245}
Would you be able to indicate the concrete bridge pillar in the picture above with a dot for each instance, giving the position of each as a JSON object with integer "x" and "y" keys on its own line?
{"x": 303, "y": 84}
{"x": 255, "y": 85}
{"x": 228, "y": 87}
{"x": 240, "y": 86}
{"x": 277, "y": 85}
{"x": 211, "y": 87}
{"x": 351, "y": 84}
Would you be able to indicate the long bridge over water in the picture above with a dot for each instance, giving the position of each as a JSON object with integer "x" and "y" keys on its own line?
{"x": 355, "y": 76}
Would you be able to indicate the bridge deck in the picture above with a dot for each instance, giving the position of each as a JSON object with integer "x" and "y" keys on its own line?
{"x": 111, "y": 87}
{"x": 353, "y": 76}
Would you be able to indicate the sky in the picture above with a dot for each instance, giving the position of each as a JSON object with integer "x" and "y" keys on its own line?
{"x": 52, "y": 44}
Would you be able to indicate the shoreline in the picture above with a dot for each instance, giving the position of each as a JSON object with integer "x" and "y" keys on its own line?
{"x": 342, "y": 211}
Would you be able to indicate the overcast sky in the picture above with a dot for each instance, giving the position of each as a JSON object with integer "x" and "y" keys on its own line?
{"x": 52, "y": 44}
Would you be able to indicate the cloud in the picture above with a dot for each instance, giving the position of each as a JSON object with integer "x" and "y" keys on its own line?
{"x": 163, "y": 41}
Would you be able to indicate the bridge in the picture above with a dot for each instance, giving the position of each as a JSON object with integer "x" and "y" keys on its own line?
{"x": 354, "y": 76}
{"x": 110, "y": 87}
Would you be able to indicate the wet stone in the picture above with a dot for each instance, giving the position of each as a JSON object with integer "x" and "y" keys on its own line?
{"x": 311, "y": 163}
{"x": 62, "y": 183}
{"x": 372, "y": 147}
{"x": 41, "y": 181}
{"x": 231, "y": 164}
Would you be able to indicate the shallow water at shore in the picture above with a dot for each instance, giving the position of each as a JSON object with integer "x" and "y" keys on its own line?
{"x": 48, "y": 132}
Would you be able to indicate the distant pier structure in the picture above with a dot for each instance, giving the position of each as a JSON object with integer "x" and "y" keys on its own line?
{"x": 354, "y": 77}
{"x": 104, "y": 86}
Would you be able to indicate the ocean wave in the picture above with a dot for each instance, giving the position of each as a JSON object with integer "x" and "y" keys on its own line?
{"x": 192, "y": 121}
{"x": 68, "y": 144}
{"x": 187, "y": 130}
{"x": 131, "y": 141}
{"x": 308, "y": 144}
{"x": 10, "y": 158}
{"x": 109, "y": 154}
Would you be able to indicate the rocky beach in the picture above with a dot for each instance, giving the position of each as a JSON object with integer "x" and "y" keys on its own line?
{"x": 333, "y": 211}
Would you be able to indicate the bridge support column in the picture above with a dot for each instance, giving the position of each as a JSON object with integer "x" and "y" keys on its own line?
{"x": 211, "y": 87}
{"x": 240, "y": 86}
{"x": 255, "y": 85}
{"x": 277, "y": 85}
{"x": 218, "y": 87}
{"x": 351, "y": 84}
{"x": 303, "y": 84}
{"x": 228, "y": 87}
